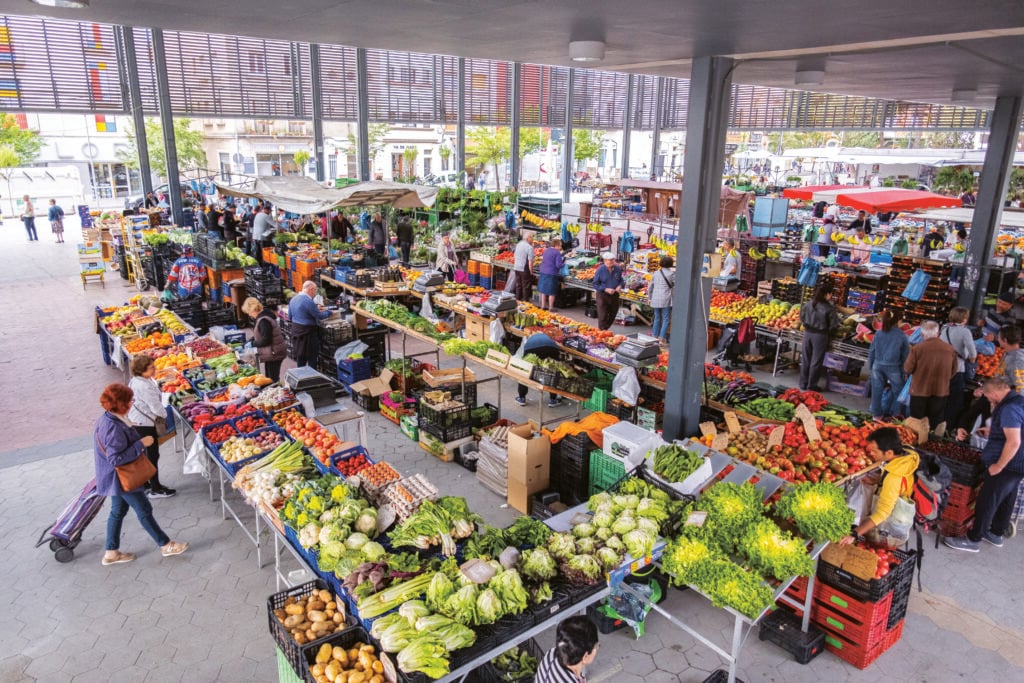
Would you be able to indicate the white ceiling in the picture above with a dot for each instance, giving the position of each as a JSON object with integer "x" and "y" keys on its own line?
{"x": 917, "y": 50}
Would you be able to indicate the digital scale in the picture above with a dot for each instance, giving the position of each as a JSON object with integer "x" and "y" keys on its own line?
{"x": 638, "y": 351}
{"x": 317, "y": 386}
{"x": 498, "y": 302}
{"x": 428, "y": 281}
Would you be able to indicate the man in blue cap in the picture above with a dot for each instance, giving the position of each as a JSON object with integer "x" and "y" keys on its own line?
{"x": 542, "y": 346}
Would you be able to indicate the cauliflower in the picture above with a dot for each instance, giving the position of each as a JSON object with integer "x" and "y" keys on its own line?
{"x": 309, "y": 535}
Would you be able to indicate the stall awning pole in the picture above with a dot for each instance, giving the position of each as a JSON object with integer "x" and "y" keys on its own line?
{"x": 988, "y": 208}
{"x": 708, "y": 111}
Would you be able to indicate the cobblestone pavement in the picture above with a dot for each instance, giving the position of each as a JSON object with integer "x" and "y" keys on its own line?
{"x": 202, "y": 616}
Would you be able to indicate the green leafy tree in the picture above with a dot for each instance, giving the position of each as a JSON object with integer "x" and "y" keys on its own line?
{"x": 187, "y": 142}
{"x": 953, "y": 180}
{"x": 949, "y": 140}
{"x": 485, "y": 146}
{"x": 375, "y": 135}
{"x": 586, "y": 144}
{"x": 9, "y": 159}
{"x": 302, "y": 158}
{"x": 446, "y": 153}
{"x": 25, "y": 143}
{"x": 409, "y": 156}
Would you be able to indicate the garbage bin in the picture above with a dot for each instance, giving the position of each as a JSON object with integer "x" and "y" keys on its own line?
{"x": 238, "y": 295}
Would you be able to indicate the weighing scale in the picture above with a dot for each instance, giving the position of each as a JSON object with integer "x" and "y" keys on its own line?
{"x": 307, "y": 380}
{"x": 638, "y": 351}
{"x": 428, "y": 281}
{"x": 498, "y": 302}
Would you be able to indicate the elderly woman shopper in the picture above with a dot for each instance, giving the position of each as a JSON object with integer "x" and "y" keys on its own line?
{"x": 660, "y": 295}
{"x": 266, "y": 337}
{"x": 447, "y": 259}
{"x": 116, "y": 443}
{"x": 550, "y": 268}
{"x": 146, "y": 410}
{"x": 888, "y": 352}
{"x": 959, "y": 336}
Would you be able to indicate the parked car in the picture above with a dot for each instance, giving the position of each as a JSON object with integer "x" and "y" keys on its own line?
{"x": 446, "y": 179}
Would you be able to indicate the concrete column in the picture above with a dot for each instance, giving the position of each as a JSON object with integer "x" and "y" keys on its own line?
{"x": 656, "y": 139}
{"x": 708, "y": 111}
{"x": 362, "y": 115}
{"x": 460, "y": 128}
{"x": 517, "y": 75}
{"x": 567, "y": 148}
{"x": 988, "y": 209}
{"x": 627, "y": 126}
{"x": 131, "y": 64}
{"x": 318, "y": 112}
{"x": 163, "y": 96}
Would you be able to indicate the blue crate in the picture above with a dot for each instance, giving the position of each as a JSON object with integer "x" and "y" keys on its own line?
{"x": 878, "y": 257}
{"x": 341, "y": 271}
{"x": 486, "y": 282}
{"x": 346, "y": 454}
{"x": 474, "y": 279}
{"x": 354, "y": 370}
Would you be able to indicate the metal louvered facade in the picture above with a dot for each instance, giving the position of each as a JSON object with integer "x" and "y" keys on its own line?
{"x": 54, "y": 65}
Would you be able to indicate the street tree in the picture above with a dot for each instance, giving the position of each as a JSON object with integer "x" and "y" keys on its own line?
{"x": 187, "y": 142}
{"x": 485, "y": 146}
{"x": 375, "y": 135}
{"x": 25, "y": 143}
{"x": 302, "y": 158}
{"x": 9, "y": 160}
{"x": 586, "y": 144}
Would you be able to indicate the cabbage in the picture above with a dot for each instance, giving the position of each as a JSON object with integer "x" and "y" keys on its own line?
{"x": 603, "y": 519}
{"x": 603, "y": 533}
{"x": 367, "y": 522}
{"x": 599, "y": 499}
{"x": 488, "y": 607}
{"x": 537, "y": 564}
{"x": 373, "y": 551}
{"x": 585, "y": 546}
{"x": 608, "y": 558}
{"x": 615, "y": 543}
{"x": 583, "y": 530}
{"x": 561, "y": 546}
{"x": 413, "y": 610}
{"x": 462, "y": 605}
{"x": 639, "y": 543}
{"x": 347, "y": 563}
{"x": 356, "y": 541}
{"x": 439, "y": 590}
{"x": 624, "y": 524}
{"x": 430, "y": 622}
{"x": 653, "y": 509}
{"x": 349, "y": 510}
{"x": 647, "y": 524}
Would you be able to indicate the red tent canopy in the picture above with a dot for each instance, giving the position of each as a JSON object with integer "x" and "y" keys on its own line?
{"x": 895, "y": 200}
{"x": 806, "y": 193}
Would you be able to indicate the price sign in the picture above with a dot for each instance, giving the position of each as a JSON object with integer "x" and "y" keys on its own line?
{"x": 708, "y": 429}
{"x": 810, "y": 426}
{"x": 732, "y": 423}
{"x": 776, "y": 436}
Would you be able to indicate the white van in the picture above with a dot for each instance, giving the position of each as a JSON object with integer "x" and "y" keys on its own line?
{"x": 447, "y": 179}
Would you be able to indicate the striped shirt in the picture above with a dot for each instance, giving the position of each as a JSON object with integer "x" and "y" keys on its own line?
{"x": 551, "y": 670}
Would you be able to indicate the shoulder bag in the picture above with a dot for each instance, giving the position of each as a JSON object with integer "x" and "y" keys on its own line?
{"x": 665, "y": 278}
{"x": 134, "y": 474}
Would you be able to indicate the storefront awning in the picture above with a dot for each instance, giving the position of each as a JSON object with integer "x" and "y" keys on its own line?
{"x": 894, "y": 200}
{"x": 302, "y": 195}
{"x": 1010, "y": 219}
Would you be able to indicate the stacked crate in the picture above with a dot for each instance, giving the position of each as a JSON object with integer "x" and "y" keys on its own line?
{"x": 865, "y": 301}
{"x": 263, "y": 283}
{"x": 570, "y": 468}
{"x": 751, "y": 271}
{"x": 935, "y": 303}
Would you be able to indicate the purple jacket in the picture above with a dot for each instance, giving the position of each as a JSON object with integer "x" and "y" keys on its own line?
{"x": 551, "y": 262}
{"x": 122, "y": 445}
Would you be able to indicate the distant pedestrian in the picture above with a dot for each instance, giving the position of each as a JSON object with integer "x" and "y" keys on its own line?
{"x": 266, "y": 337}
{"x": 825, "y": 236}
{"x": 28, "y": 217}
{"x": 522, "y": 267}
{"x": 405, "y": 234}
{"x": 819, "y": 319}
{"x": 146, "y": 409}
{"x": 378, "y": 235}
{"x": 958, "y": 335}
{"x": 56, "y": 216}
{"x": 550, "y": 268}
{"x": 116, "y": 443}
{"x": 889, "y": 350}
{"x": 447, "y": 259}
{"x": 607, "y": 282}
{"x": 660, "y": 296}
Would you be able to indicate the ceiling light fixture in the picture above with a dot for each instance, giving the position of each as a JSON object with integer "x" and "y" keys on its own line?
{"x": 586, "y": 50}
{"x": 810, "y": 76}
{"x": 63, "y": 4}
{"x": 964, "y": 95}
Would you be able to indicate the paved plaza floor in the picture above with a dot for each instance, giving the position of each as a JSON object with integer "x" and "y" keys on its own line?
{"x": 201, "y": 616}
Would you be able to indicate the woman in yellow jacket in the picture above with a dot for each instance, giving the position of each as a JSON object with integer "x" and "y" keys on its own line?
{"x": 897, "y": 478}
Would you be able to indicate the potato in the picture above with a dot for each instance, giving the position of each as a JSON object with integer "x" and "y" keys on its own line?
{"x": 316, "y": 615}
{"x": 315, "y": 604}
{"x": 323, "y": 655}
{"x": 366, "y": 660}
{"x": 353, "y": 654}
{"x": 294, "y": 609}
{"x": 332, "y": 670}
{"x": 311, "y": 635}
{"x": 331, "y": 604}
{"x": 304, "y": 625}
{"x": 317, "y": 669}
{"x": 366, "y": 647}
{"x": 357, "y": 677}
{"x": 280, "y": 614}
{"x": 339, "y": 654}
{"x": 377, "y": 678}
{"x": 300, "y": 637}
{"x": 342, "y": 677}
{"x": 290, "y": 600}
{"x": 324, "y": 595}
{"x": 322, "y": 627}
{"x": 292, "y": 621}
{"x": 338, "y": 618}
{"x": 322, "y": 679}
{"x": 378, "y": 666}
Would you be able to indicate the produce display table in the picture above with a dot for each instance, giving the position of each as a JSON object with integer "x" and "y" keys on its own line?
{"x": 406, "y": 333}
{"x": 504, "y": 372}
{"x": 360, "y": 292}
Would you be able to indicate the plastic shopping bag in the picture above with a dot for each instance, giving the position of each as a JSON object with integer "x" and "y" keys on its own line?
{"x": 859, "y": 500}
{"x": 195, "y": 463}
{"x": 894, "y": 532}
{"x": 808, "y": 276}
{"x": 917, "y": 285}
{"x": 904, "y": 396}
{"x": 626, "y": 386}
{"x": 497, "y": 331}
{"x": 427, "y": 309}
{"x": 510, "y": 284}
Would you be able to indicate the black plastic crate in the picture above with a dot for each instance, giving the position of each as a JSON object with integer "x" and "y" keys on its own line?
{"x": 446, "y": 434}
{"x": 901, "y": 590}
{"x": 548, "y": 378}
{"x": 625, "y": 413}
{"x": 782, "y": 627}
{"x": 857, "y": 588}
{"x": 370, "y": 404}
{"x": 345, "y": 639}
{"x": 336, "y": 334}
{"x": 293, "y": 652}
{"x": 490, "y": 418}
{"x": 454, "y": 416}
{"x": 221, "y": 316}
{"x": 489, "y": 673}
{"x": 576, "y": 446}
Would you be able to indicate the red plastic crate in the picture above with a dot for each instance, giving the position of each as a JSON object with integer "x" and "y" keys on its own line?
{"x": 858, "y": 655}
{"x": 864, "y": 633}
{"x": 859, "y": 610}
{"x": 954, "y": 529}
{"x": 798, "y": 589}
{"x": 956, "y": 514}
{"x": 961, "y": 495}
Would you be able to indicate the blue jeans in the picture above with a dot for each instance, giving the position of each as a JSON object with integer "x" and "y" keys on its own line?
{"x": 880, "y": 374}
{"x": 659, "y": 326}
{"x": 137, "y": 501}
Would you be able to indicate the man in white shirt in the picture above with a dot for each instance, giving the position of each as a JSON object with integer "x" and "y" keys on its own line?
{"x": 263, "y": 226}
{"x": 523, "y": 266}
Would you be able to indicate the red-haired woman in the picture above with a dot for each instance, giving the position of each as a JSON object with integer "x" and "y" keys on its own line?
{"x": 117, "y": 443}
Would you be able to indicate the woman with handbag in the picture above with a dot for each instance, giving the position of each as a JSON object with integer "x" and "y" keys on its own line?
{"x": 147, "y": 415}
{"x": 121, "y": 472}
{"x": 660, "y": 295}
{"x": 266, "y": 337}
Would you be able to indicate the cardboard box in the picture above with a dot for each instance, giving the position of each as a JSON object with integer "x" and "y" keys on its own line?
{"x": 438, "y": 378}
{"x": 834, "y": 362}
{"x": 477, "y": 329}
{"x": 375, "y": 386}
{"x": 623, "y": 439}
{"x": 519, "y": 367}
{"x": 851, "y": 385}
{"x": 529, "y": 464}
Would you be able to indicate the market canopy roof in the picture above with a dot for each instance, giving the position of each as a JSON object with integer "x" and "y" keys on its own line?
{"x": 303, "y": 195}
{"x": 806, "y": 193}
{"x": 675, "y": 186}
{"x": 894, "y": 200}
{"x": 831, "y": 194}
{"x": 1010, "y": 219}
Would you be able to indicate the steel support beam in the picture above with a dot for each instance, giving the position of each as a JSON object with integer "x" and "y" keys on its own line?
{"x": 318, "y": 113}
{"x": 567, "y": 151}
{"x": 627, "y": 125}
{"x": 988, "y": 209}
{"x": 135, "y": 104}
{"x": 362, "y": 115}
{"x": 656, "y": 137}
{"x": 163, "y": 96}
{"x": 460, "y": 127}
{"x": 708, "y": 111}
{"x": 517, "y": 76}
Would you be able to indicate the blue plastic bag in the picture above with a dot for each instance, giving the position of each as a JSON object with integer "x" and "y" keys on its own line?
{"x": 904, "y": 396}
{"x": 808, "y": 276}
{"x": 985, "y": 348}
{"x": 917, "y": 337}
{"x": 917, "y": 285}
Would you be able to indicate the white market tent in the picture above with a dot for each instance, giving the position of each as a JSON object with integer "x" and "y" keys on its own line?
{"x": 1010, "y": 219}
{"x": 303, "y": 195}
